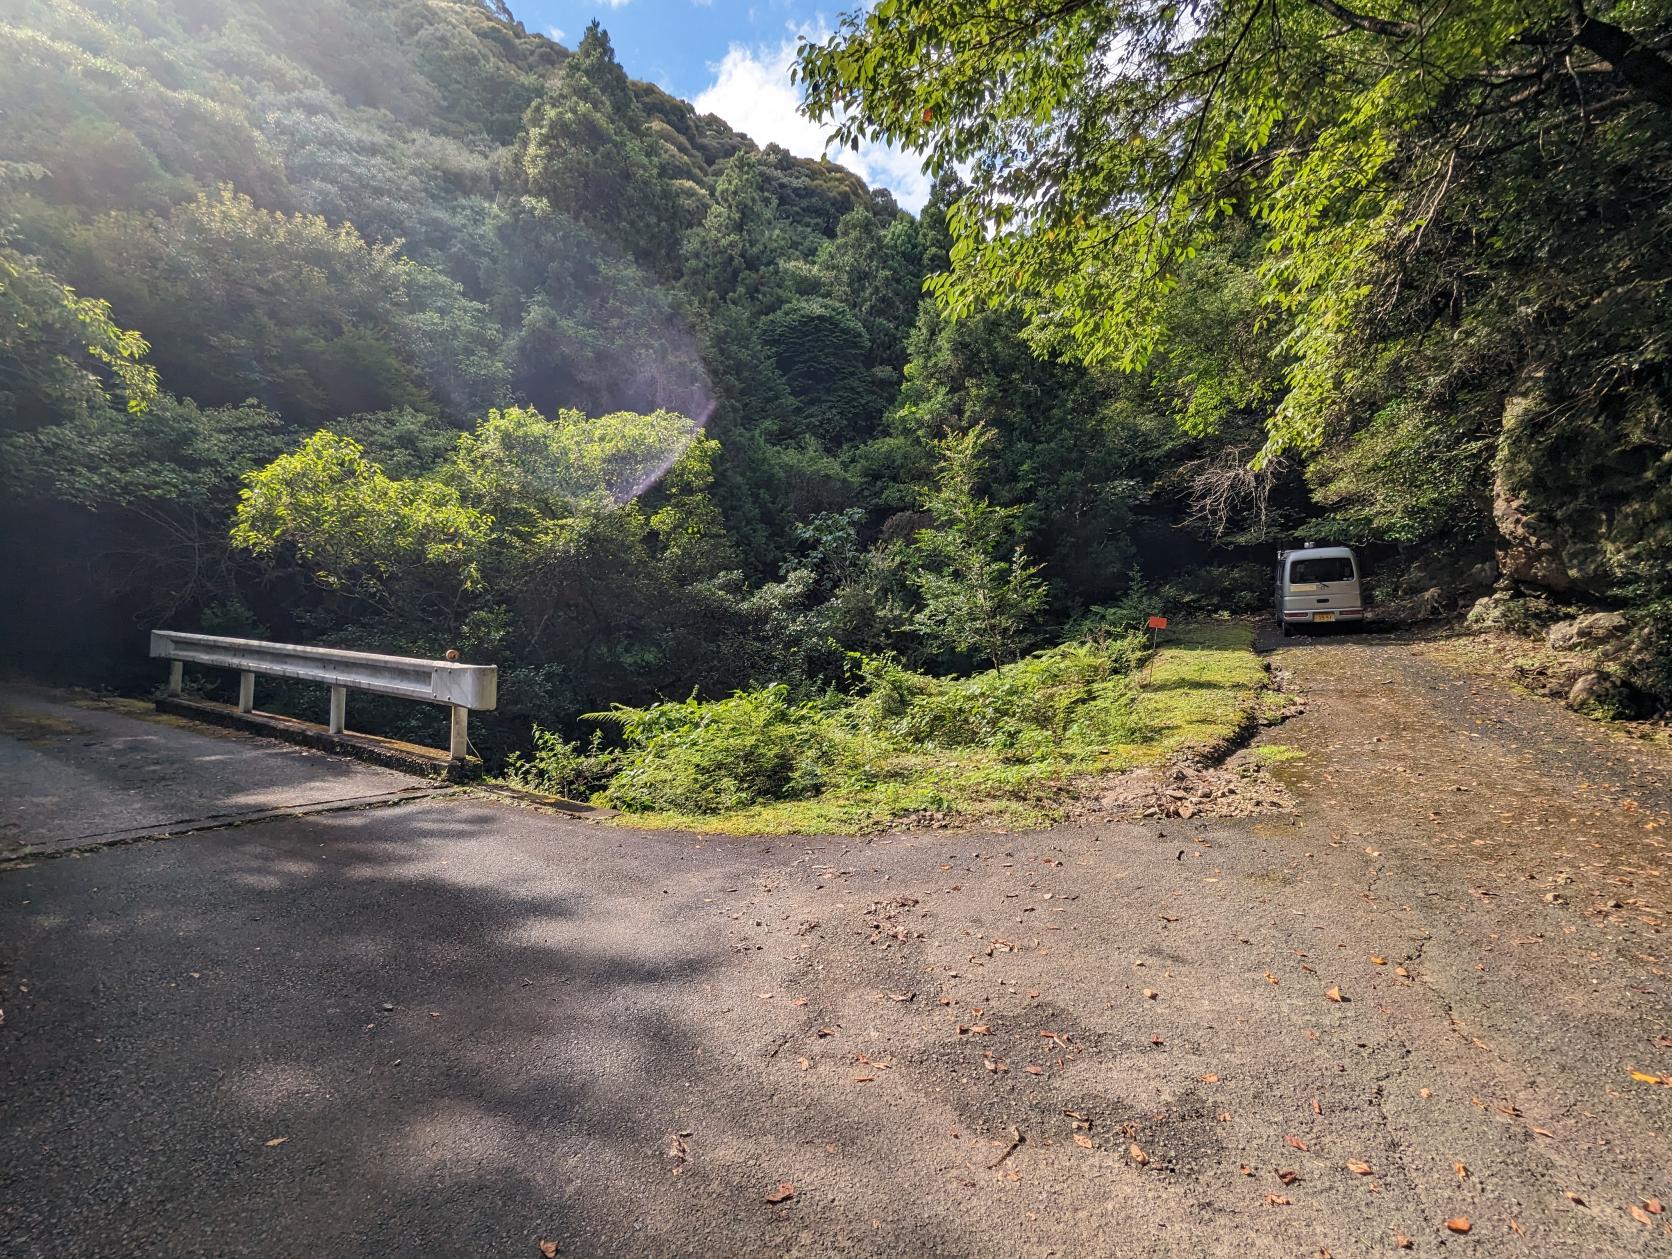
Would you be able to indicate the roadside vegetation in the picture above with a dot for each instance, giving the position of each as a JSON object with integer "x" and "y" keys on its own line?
{"x": 424, "y": 331}
{"x": 996, "y": 747}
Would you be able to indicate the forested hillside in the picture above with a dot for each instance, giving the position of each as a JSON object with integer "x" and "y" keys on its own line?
{"x": 448, "y": 289}
{"x": 392, "y": 324}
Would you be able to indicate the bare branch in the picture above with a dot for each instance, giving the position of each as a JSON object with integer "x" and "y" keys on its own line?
{"x": 1226, "y": 485}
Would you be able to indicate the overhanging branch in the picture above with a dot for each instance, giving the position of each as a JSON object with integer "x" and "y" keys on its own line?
{"x": 1387, "y": 27}
{"x": 1644, "y": 69}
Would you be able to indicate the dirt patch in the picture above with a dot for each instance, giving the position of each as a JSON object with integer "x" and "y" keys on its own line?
{"x": 35, "y": 728}
{"x": 1239, "y": 788}
{"x": 1531, "y": 666}
{"x": 1226, "y": 778}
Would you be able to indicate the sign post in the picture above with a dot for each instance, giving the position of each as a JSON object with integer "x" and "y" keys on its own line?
{"x": 1156, "y": 625}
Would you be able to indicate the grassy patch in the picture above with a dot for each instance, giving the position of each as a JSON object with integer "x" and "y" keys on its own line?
{"x": 1277, "y": 753}
{"x": 995, "y": 748}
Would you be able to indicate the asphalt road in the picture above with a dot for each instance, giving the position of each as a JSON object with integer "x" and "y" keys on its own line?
{"x": 80, "y": 772}
{"x": 459, "y": 1028}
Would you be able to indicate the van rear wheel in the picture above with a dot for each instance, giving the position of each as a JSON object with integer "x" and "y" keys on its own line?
{"x": 1288, "y": 630}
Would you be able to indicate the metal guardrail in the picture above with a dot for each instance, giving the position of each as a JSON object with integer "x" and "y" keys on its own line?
{"x": 460, "y": 687}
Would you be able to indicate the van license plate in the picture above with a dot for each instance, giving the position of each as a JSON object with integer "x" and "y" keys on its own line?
{"x": 1323, "y": 616}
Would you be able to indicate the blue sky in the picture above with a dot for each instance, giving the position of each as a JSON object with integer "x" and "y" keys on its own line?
{"x": 731, "y": 58}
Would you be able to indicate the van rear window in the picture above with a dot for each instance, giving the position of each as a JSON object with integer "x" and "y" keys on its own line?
{"x": 1325, "y": 568}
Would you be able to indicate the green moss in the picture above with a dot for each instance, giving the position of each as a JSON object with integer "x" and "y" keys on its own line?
{"x": 1277, "y": 753}
{"x": 998, "y": 748}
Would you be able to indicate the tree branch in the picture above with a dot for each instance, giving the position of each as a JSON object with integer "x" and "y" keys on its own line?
{"x": 1386, "y": 27}
{"x": 1644, "y": 69}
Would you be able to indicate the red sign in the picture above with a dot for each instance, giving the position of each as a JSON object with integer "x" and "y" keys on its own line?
{"x": 1158, "y": 622}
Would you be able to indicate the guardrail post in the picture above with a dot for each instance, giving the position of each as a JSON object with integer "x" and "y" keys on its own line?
{"x": 246, "y": 691}
{"x": 339, "y": 708}
{"x": 458, "y": 735}
{"x": 176, "y": 676}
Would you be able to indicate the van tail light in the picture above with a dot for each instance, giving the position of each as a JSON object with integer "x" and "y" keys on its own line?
{"x": 1349, "y": 612}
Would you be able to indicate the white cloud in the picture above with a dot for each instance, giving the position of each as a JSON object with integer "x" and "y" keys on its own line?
{"x": 752, "y": 91}
{"x": 556, "y": 33}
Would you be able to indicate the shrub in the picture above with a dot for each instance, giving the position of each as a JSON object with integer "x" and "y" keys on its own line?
{"x": 560, "y": 768}
{"x": 1056, "y": 708}
{"x": 715, "y": 756}
{"x": 1223, "y": 588}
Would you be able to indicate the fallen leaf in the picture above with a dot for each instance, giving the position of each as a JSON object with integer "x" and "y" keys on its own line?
{"x": 1033, "y": 1070}
{"x": 1459, "y": 1224}
{"x": 901, "y": 996}
{"x": 1288, "y": 1175}
{"x": 1156, "y": 1040}
{"x": 1084, "y": 1142}
{"x": 1640, "y": 1215}
{"x": 1276, "y": 1200}
{"x": 1573, "y": 1198}
{"x": 548, "y": 1249}
{"x": 1515, "y": 1227}
{"x": 1378, "y": 961}
{"x": 1245, "y": 1169}
{"x": 1425, "y": 1093}
{"x": 1646, "y": 1078}
{"x": 1401, "y": 1241}
{"x": 804, "y": 1062}
{"x": 863, "y": 1079}
{"x": 783, "y": 1193}
{"x": 1358, "y": 1167}
{"x": 1272, "y": 979}
{"x": 1138, "y": 1155}
{"x": 1652, "y": 1206}
{"x": 1210, "y": 1078}
{"x": 981, "y": 1029}
{"x": 1461, "y": 1170}
{"x": 676, "y": 1153}
{"x": 277, "y": 1141}
{"x": 1334, "y": 994}
{"x": 1401, "y": 972}
{"x": 1150, "y": 994}
{"x": 1297, "y": 1143}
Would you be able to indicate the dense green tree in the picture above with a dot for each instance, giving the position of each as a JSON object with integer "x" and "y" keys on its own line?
{"x": 585, "y": 152}
{"x": 733, "y": 255}
{"x": 976, "y": 599}
{"x": 820, "y": 349}
{"x": 1106, "y": 144}
{"x": 305, "y": 313}
{"x": 876, "y": 273}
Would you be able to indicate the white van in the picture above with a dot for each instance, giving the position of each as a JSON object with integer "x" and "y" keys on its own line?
{"x": 1318, "y": 585}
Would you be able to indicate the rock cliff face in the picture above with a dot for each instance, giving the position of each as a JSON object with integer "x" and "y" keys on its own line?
{"x": 1582, "y": 498}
